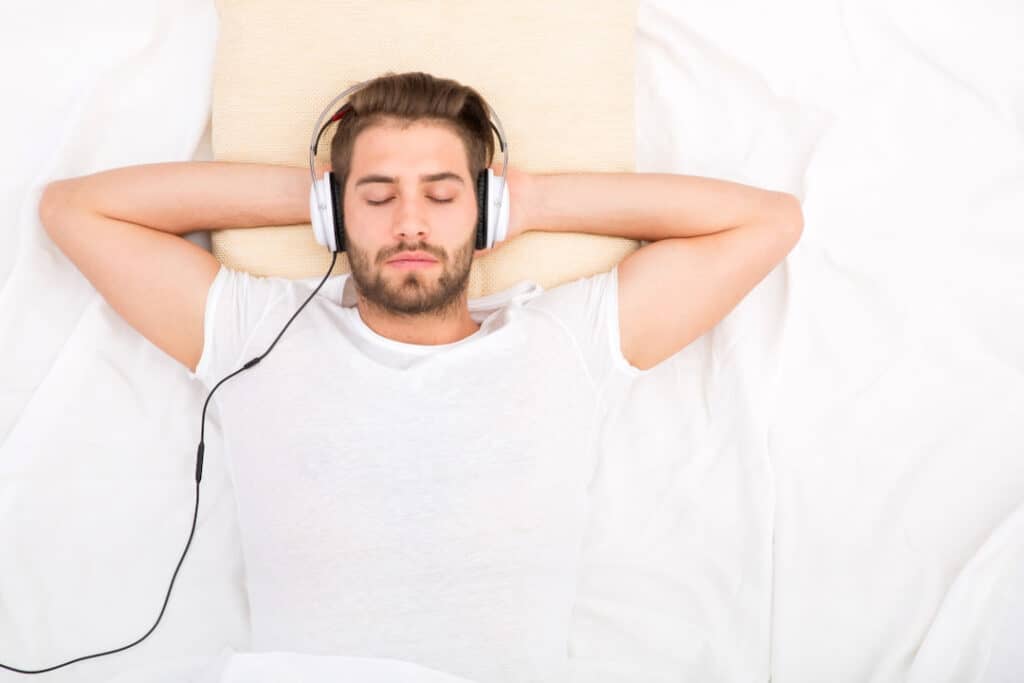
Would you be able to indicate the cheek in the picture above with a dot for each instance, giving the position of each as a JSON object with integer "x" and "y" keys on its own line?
{"x": 358, "y": 213}
{"x": 367, "y": 226}
{"x": 468, "y": 214}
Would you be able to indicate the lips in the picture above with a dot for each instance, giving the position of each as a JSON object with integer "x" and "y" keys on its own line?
{"x": 416, "y": 258}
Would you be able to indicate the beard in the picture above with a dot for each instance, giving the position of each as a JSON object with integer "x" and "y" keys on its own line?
{"x": 409, "y": 293}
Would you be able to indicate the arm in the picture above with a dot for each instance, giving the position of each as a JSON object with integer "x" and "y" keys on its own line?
{"x": 122, "y": 228}
{"x": 712, "y": 242}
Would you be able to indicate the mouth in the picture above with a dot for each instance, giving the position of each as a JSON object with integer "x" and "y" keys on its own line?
{"x": 412, "y": 260}
{"x": 411, "y": 264}
{"x": 406, "y": 264}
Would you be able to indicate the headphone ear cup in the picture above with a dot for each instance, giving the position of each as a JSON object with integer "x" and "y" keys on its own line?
{"x": 320, "y": 212}
{"x": 337, "y": 224}
{"x": 498, "y": 208}
{"x": 482, "y": 186}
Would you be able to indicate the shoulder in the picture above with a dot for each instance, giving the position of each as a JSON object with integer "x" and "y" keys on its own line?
{"x": 575, "y": 296}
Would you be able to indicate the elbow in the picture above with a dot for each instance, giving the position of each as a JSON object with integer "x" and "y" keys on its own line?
{"x": 53, "y": 200}
{"x": 791, "y": 215}
{"x": 47, "y": 204}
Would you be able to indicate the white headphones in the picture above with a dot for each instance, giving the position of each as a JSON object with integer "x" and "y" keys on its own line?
{"x": 325, "y": 202}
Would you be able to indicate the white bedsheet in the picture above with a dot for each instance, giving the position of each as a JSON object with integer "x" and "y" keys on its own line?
{"x": 273, "y": 667}
{"x": 827, "y": 486}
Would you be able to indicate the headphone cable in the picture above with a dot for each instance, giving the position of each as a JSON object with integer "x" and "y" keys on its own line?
{"x": 199, "y": 477}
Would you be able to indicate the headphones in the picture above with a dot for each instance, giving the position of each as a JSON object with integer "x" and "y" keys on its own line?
{"x": 325, "y": 197}
{"x": 326, "y": 216}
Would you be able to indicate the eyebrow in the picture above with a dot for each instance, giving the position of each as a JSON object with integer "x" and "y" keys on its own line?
{"x": 429, "y": 178}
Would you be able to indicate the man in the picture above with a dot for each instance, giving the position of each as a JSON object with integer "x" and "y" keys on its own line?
{"x": 411, "y": 472}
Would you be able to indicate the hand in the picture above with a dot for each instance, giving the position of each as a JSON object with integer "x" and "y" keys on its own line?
{"x": 520, "y": 194}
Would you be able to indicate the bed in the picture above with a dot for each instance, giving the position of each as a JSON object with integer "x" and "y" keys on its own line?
{"x": 829, "y": 485}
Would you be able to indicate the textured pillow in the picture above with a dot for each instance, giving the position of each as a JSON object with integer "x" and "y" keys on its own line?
{"x": 559, "y": 75}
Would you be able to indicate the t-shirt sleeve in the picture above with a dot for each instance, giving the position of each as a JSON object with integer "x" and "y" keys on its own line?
{"x": 589, "y": 311}
{"x": 236, "y": 303}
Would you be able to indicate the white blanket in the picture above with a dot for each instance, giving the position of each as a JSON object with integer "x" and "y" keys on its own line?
{"x": 826, "y": 486}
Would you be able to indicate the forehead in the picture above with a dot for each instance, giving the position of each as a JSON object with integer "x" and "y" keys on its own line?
{"x": 412, "y": 147}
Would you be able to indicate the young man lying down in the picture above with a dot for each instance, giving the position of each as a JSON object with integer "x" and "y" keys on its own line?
{"x": 412, "y": 475}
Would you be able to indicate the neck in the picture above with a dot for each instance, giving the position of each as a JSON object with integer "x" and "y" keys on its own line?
{"x": 429, "y": 329}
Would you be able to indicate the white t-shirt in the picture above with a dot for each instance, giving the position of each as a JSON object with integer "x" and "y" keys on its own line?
{"x": 423, "y": 503}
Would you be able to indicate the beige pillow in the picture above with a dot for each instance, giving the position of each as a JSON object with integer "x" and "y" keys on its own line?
{"x": 559, "y": 75}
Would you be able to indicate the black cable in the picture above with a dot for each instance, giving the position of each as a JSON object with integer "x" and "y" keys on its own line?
{"x": 199, "y": 477}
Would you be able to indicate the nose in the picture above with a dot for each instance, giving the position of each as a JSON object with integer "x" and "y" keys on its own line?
{"x": 410, "y": 219}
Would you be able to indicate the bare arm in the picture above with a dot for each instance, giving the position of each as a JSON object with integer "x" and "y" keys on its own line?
{"x": 712, "y": 240}
{"x": 122, "y": 228}
{"x": 645, "y": 206}
{"x": 182, "y": 196}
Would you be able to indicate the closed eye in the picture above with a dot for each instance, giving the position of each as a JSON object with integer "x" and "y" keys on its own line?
{"x": 385, "y": 201}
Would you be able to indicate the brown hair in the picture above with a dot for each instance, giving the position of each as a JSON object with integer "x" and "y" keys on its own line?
{"x": 410, "y": 97}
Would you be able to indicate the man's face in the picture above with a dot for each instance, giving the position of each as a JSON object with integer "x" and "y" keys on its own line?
{"x": 420, "y": 177}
